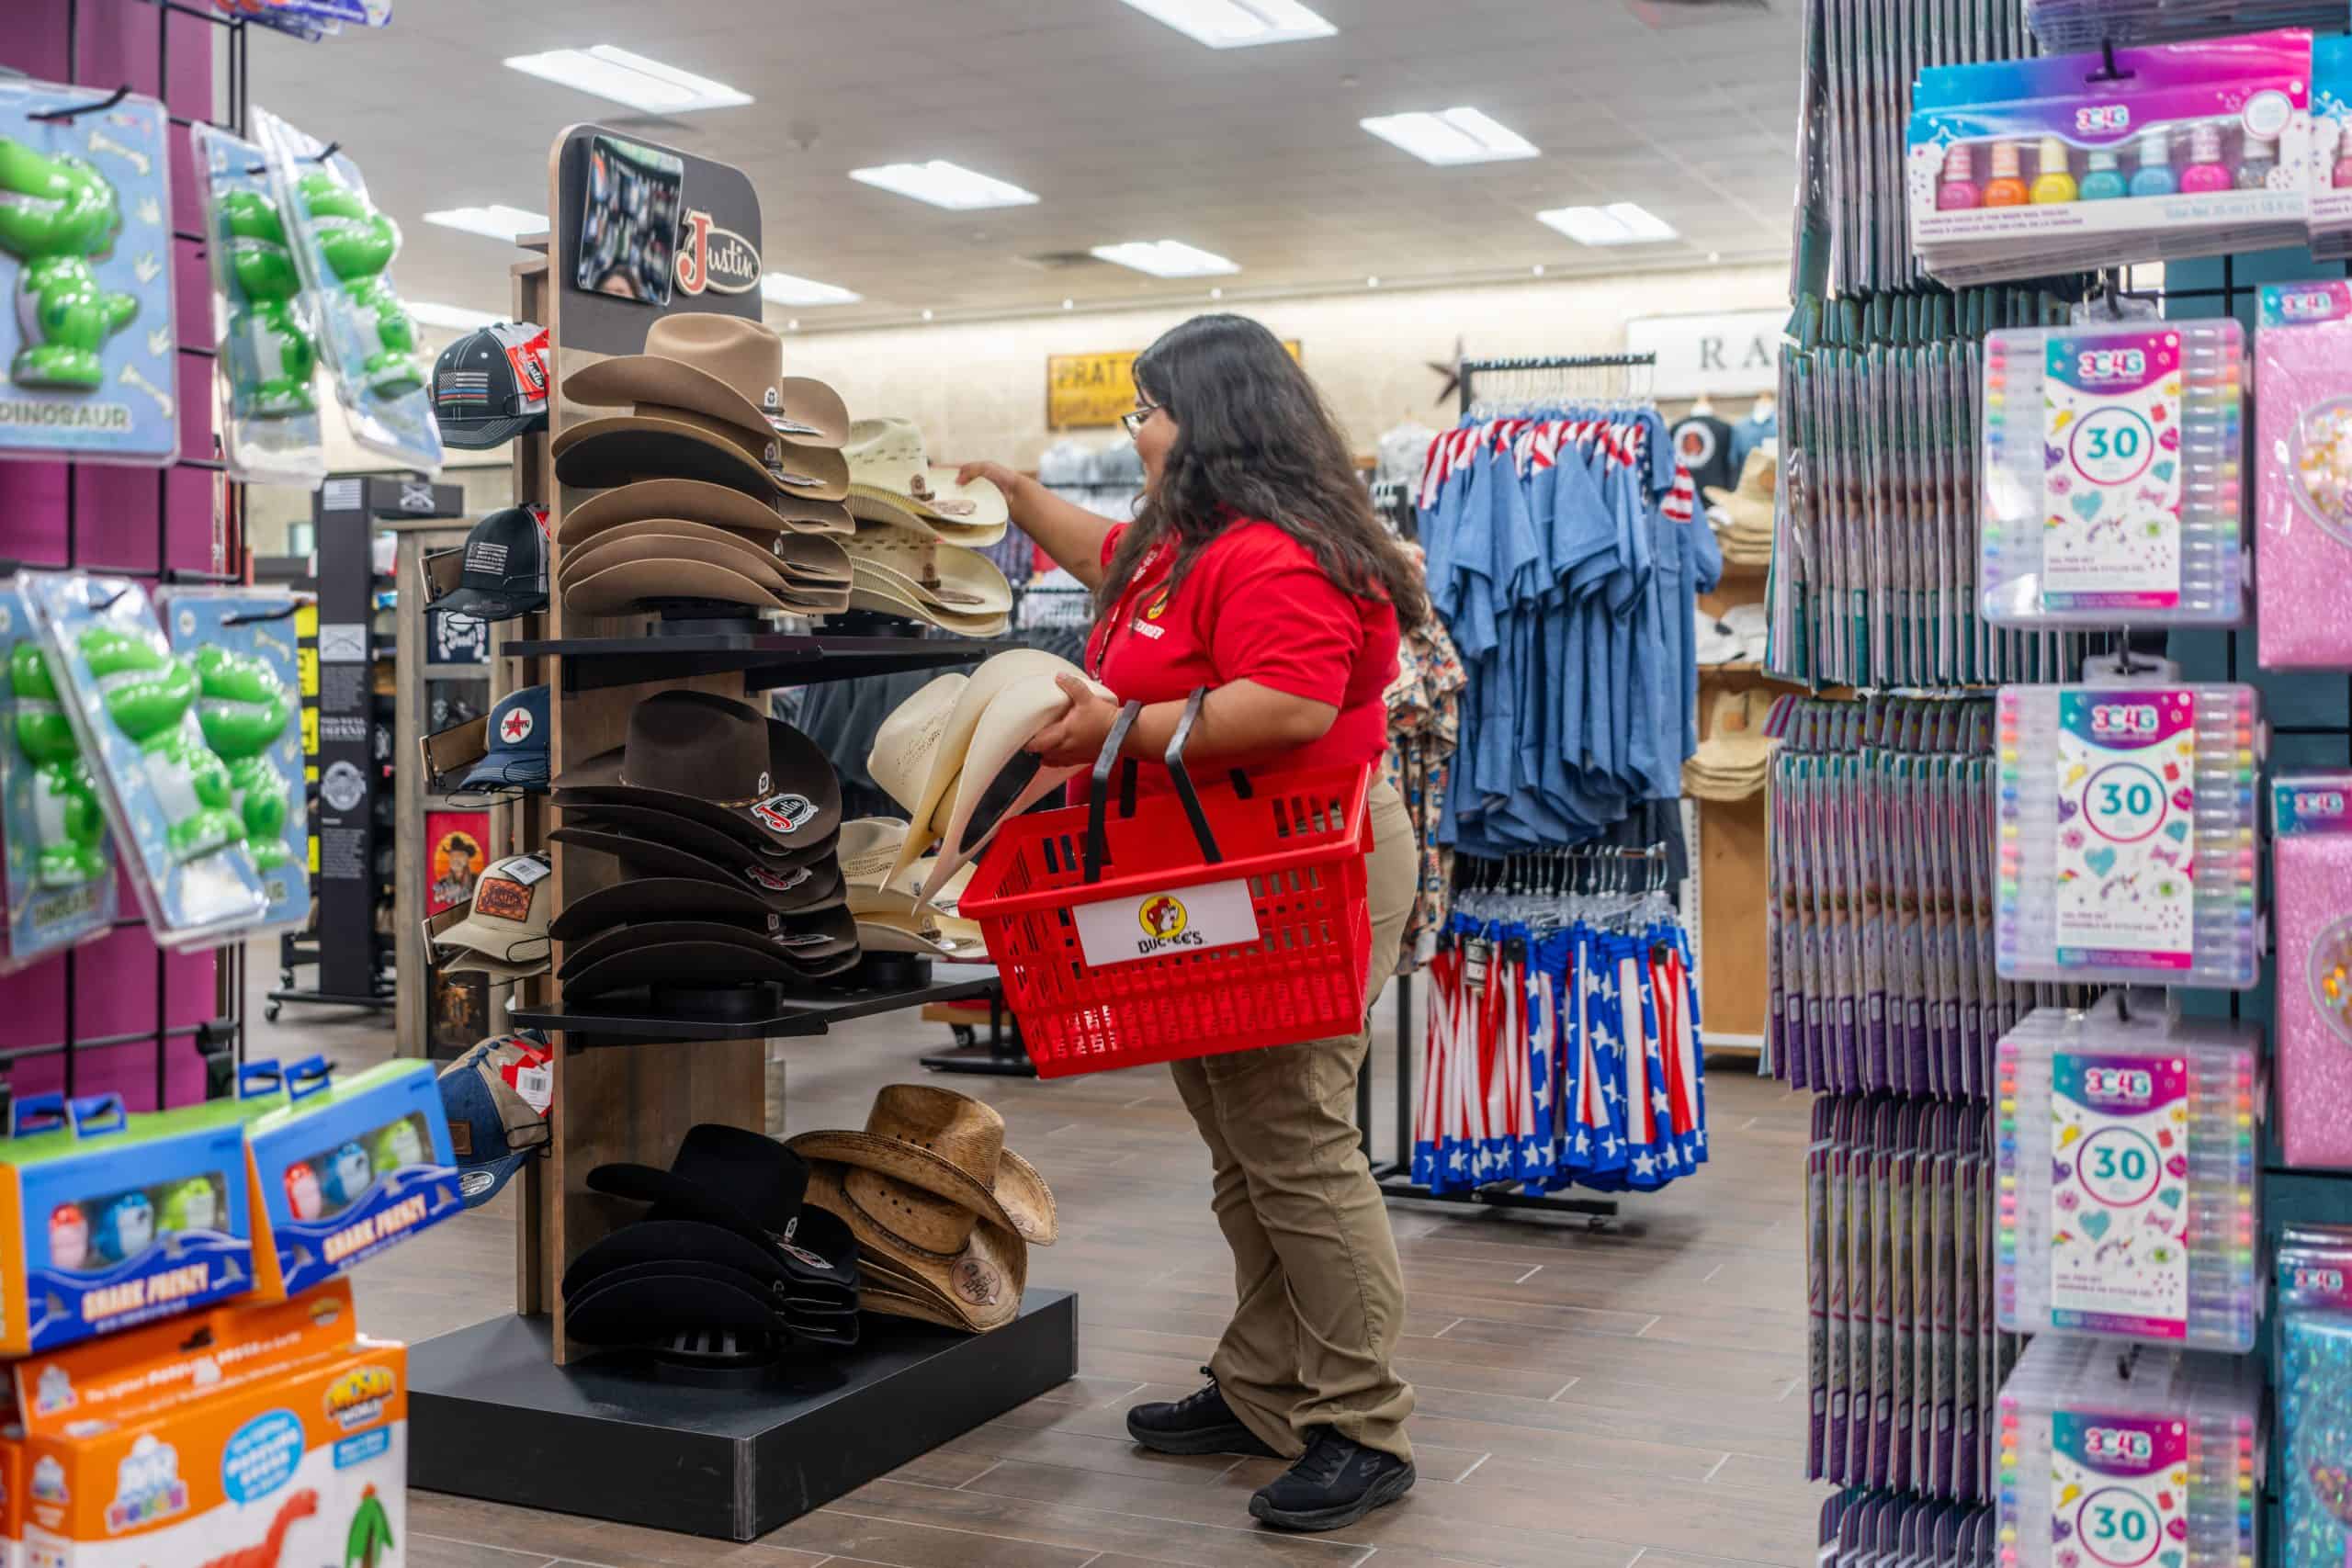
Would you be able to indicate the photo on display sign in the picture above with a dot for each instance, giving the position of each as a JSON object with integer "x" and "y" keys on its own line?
{"x": 455, "y": 859}
{"x": 628, "y": 223}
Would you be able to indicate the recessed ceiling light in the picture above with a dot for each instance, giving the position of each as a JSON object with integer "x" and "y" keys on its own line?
{"x": 1237, "y": 24}
{"x": 454, "y": 317}
{"x": 782, "y": 289}
{"x": 1069, "y": 304}
{"x": 793, "y": 325}
{"x": 1451, "y": 135}
{"x": 1216, "y": 293}
{"x": 646, "y": 86}
{"x": 1539, "y": 269}
{"x": 926, "y": 312}
{"x": 1165, "y": 258}
{"x": 1619, "y": 223}
{"x": 1715, "y": 255}
{"x": 1372, "y": 282}
{"x": 496, "y": 221}
{"x": 943, "y": 183}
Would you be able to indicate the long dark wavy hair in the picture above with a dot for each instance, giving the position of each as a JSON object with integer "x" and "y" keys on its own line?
{"x": 1255, "y": 440}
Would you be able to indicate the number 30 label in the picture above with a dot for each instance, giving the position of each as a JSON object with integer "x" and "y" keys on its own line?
{"x": 2113, "y": 445}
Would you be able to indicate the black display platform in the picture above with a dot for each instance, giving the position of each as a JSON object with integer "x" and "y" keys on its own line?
{"x": 491, "y": 1416}
{"x": 765, "y": 659}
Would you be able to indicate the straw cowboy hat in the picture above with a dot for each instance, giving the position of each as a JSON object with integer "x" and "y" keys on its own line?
{"x": 1746, "y": 531}
{"x": 913, "y": 565}
{"x": 935, "y": 1201}
{"x": 1001, "y": 777}
{"x": 892, "y": 479}
{"x": 720, "y": 761}
{"x": 719, "y": 506}
{"x": 879, "y": 595}
{"x": 1737, "y": 757}
{"x": 725, "y": 367}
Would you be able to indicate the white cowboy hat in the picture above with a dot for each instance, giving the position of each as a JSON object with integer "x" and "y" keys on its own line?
{"x": 892, "y": 479}
{"x": 1001, "y": 777}
{"x": 872, "y": 591}
{"x": 915, "y": 565}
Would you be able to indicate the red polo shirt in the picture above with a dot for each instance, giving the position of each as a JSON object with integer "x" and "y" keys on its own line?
{"x": 1255, "y": 606}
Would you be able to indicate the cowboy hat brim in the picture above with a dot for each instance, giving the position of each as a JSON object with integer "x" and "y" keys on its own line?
{"x": 868, "y": 848}
{"x": 697, "y": 964}
{"x": 619, "y": 449}
{"x": 471, "y": 961}
{"x": 1020, "y": 1201}
{"x": 697, "y": 501}
{"x": 814, "y": 414}
{"x": 809, "y": 888}
{"x": 967, "y": 583}
{"x": 788, "y": 819}
{"x": 1001, "y": 777}
{"x": 638, "y": 590}
{"x": 873, "y": 594}
{"x": 826, "y": 936}
{"x": 884, "y": 933}
{"x": 652, "y": 1302}
{"x": 677, "y": 541}
{"x": 690, "y": 832}
{"x": 960, "y": 514}
{"x": 981, "y": 1284}
{"x": 627, "y": 379}
{"x": 661, "y": 898}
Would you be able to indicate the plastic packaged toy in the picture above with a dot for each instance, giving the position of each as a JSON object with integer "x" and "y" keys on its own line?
{"x": 345, "y": 247}
{"x": 2129, "y": 824}
{"x": 2111, "y": 474}
{"x": 168, "y": 798}
{"x": 2314, "y": 1380}
{"x": 241, "y": 643}
{"x": 2129, "y": 1181}
{"x": 265, "y": 320}
{"x": 2331, "y": 165}
{"x": 2310, "y": 882}
{"x": 2115, "y": 1455}
{"x": 57, "y": 884}
{"x": 2302, "y": 454}
{"x": 2023, "y": 168}
{"x": 89, "y": 352}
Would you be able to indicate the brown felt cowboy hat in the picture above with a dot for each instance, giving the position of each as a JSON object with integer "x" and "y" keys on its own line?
{"x": 721, "y": 761}
{"x": 807, "y": 940}
{"x": 660, "y": 441}
{"x": 697, "y": 964}
{"x": 699, "y": 502}
{"x": 704, "y": 839}
{"x": 645, "y": 898}
{"x": 948, "y": 1145}
{"x": 801, "y": 559}
{"x": 628, "y": 589}
{"x": 726, "y": 366}
{"x": 781, "y": 890}
{"x": 658, "y": 542}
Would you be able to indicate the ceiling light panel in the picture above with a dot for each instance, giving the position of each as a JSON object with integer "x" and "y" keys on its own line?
{"x": 646, "y": 86}
{"x": 943, "y": 183}
{"x": 1166, "y": 258}
{"x": 1237, "y": 24}
{"x": 1451, "y": 136}
{"x": 782, "y": 289}
{"x": 455, "y": 318}
{"x": 1620, "y": 223}
{"x": 496, "y": 221}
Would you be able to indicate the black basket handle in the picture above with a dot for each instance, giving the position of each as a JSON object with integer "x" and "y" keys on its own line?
{"x": 1098, "y": 793}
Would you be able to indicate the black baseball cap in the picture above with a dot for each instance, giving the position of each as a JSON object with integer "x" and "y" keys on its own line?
{"x": 491, "y": 385}
{"x": 505, "y": 573}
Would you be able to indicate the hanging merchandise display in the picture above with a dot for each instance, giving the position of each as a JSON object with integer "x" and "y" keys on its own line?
{"x": 2217, "y": 137}
{"x": 504, "y": 934}
{"x": 90, "y": 352}
{"x": 2128, "y": 833}
{"x": 168, "y": 799}
{"x": 2313, "y": 1379}
{"x": 2086, "y": 24}
{"x": 518, "y": 736}
{"x": 1862, "y": 1529}
{"x": 58, "y": 878}
{"x": 2331, "y": 169}
{"x": 2113, "y": 1455}
{"x": 502, "y": 575}
{"x": 2111, "y": 474}
{"x": 2303, "y": 462}
{"x": 2129, "y": 1162}
{"x": 2310, "y": 881}
{"x": 266, "y": 321}
{"x": 343, "y": 248}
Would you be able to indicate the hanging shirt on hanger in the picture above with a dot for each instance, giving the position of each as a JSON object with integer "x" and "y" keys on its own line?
{"x": 1703, "y": 445}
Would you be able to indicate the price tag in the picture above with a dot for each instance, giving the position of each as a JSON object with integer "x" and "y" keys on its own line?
{"x": 2120, "y": 1195}
{"x": 2119, "y": 1487}
{"x": 2126, "y": 820}
{"x": 2111, "y": 472}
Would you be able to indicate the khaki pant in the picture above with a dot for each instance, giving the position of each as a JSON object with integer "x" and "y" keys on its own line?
{"x": 1322, "y": 1299}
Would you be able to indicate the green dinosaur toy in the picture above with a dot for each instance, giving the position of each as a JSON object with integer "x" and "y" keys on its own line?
{"x": 358, "y": 244}
{"x": 369, "y": 1539}
{"x": 148, "y": 693}
{"x": 68, "y": 826}
{"x": 244, "y": 713}
{"x": 57, "y": 214}
{"x": 270, "y": 349}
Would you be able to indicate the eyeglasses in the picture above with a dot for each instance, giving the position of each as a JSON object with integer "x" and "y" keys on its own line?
{"x": 1133, "y": 418}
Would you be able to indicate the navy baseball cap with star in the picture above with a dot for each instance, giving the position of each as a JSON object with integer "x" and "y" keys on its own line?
{"x": 517, "y": 758}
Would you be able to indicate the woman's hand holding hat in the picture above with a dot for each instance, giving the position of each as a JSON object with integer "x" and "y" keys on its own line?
{"x": 1076, "y": 738}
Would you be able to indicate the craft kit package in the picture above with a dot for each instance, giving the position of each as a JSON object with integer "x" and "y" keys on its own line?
{"x": 2119, "y": 1457}
{"x": 2313, "y": 1377}
{"x": 89, "y": 352}
{"x": 265, "y": 320}
{"x": 2129, "y": 1201}
{"x": 2128, "y": 834}
{"x": 343, "y": 247}
{"x": 344, "y": 1170}
{"x": 2311, "y": 884}
{"x": 57, "y": 882}
{"x": 241, "y": 643}
{"x": 2303, "y": 465}
{"x": 2331, "y": 167}
{"x": 169, "y": 799}
{"x": 2111, "y": 474}
{"x": 274, "y": 1436}
{"x": 2022, "y": 168}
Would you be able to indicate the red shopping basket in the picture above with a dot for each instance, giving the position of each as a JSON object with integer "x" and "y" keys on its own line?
{"x": 1180, "y": 925}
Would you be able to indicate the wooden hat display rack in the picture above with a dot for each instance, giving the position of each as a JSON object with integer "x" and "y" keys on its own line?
{"x": 513, "y": 1410}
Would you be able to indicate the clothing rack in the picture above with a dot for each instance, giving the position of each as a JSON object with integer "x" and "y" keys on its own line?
{"x": 1468, "y": 370}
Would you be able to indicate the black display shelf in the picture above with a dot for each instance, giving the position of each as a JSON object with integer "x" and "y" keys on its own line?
{"x": 766, "y": 659}
{"x": 490, "y": 1415}
{"x": 589, "y": 1026}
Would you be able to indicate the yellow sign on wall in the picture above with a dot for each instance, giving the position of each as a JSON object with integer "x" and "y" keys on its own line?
{"x": 1089, "y": 391}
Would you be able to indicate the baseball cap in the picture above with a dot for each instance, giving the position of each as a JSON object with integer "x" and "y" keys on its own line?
{"x": 491, "y": 385}
{"x": 518, "y": 744}
{"x": 497, "y": 1098}
{"x": 506, "y": 932}
{"x": 505, "y": 573}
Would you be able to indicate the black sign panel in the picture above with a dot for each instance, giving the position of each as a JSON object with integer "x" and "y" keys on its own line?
{"x": 641, "y": 231}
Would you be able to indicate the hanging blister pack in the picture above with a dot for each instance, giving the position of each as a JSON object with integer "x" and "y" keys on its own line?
{"x": 2302, "y": 453}
{"x": 57, "y": 882}
{"x": 168, "y": 798}
{"x": 2111, "y": 474}
{"x": 2121, "y": 1455}
{"x": 2331, "y": 152}
{"x": 2314, "y": 1380}
{"x": 2311, "y": 884}
{"x": 345, "y": 247}
{"x": 263, "y": 319}
{"x": 2131, "y": 1178}
{"x": 2128, "y": 834}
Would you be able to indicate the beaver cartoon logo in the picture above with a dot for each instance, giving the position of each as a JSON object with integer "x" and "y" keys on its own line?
{"x": 978, "y": 1283}
{"x": 1158, "y": 607}
{"x": 1162, "y": 917}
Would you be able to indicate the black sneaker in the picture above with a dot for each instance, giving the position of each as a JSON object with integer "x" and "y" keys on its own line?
{"x": 1337, "y": 1483}
{"x": 1199, "y": 1423}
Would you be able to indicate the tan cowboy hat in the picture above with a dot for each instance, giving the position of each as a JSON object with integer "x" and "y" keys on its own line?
{"x": 873, "y": 593}
{"x": 948, "y": 1145}
{"x": 1748, "y": 511}
{"x": 627, "y": 588}
{"x": 915, "y": 565}
{"x": 721, "y": 506}
{"x": 664, "y": 441}
{"x": 1733, "y": 762}
{"x": 791, "y": 561}
{"x": 903, "y": 894}
{"x": 1001, "y": 777}
{"x": 892, "y": 479}
{"x": 972, "y": 1271}
{"x": 926, "y": 933}
{"x": 726, "y": 366}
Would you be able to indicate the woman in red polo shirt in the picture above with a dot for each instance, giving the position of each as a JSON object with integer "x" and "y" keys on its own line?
{"x": 1256, "y": 568}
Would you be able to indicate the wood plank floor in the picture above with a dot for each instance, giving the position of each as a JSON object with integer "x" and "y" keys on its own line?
{"x": 1585, "y": 1400}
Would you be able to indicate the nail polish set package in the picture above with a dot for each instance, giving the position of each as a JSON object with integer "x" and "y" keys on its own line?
{"x": 2128, "y": 834}
{"x": 2303, "y": 466}
{"x": 2022, "y": 168}
{"x": 2311, "y": 882}
{"x": 2113, "y": 475}
{"x": 2130, "y": 1177}
{"x": 2331, "y": 166}
{"x": 2313, "y": 1379}
{"x": 2114, "y": 1455}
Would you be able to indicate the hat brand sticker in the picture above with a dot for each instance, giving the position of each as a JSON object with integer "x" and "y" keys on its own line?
{"x": 784, "y": 813}
{"x": 717, "y": 259}
{"x": 773, "y": 883}
{"x": 515, "y": 728}
{"x": 503, "y": 898}
{"x": 1184, "y": 920}
{"x": 978, "y": 1283}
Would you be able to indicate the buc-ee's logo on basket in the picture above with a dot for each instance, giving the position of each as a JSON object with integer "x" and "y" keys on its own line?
{"x": 1208, "y": 915}
{"x": 1163, "y": 918}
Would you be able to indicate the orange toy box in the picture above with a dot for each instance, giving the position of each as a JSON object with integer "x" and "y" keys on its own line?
{"x": 253, "y": 1436}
